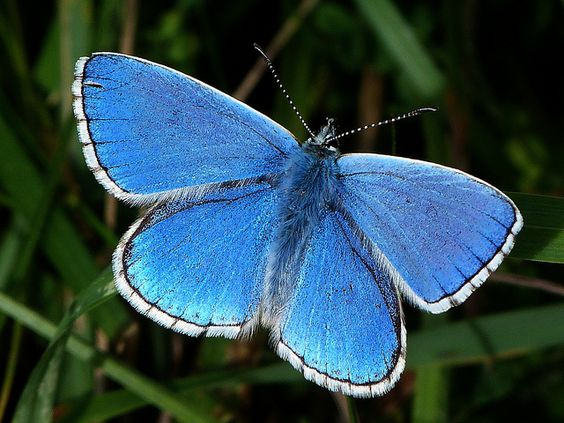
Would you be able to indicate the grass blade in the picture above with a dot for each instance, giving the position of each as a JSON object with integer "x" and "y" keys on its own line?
{"x": 139, "y": 385}
{"x": 402, "y": 45}
{"x": 509, "y": 334}
{"x": 542, "y": 238}
{"x": 113, "y": 404}
{"x": 36, "y": 402}
{"x": 10, "y": 370}
{"x": 540, "y": 244}
{"x": 60, "y": 243}
{"x": 430, "y": 394}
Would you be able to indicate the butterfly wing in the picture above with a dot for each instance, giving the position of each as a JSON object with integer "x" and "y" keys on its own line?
{"x": 442, "y": 230}
{"x": 147, "y": 130}
{"x": 197, "y": 266}
{"x": 343, "y": 326}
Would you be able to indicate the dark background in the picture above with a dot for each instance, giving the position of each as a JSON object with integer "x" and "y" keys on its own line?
{"x": 494, "y": 69}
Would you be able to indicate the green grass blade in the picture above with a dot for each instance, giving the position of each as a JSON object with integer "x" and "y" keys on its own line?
{"x": 109, "y": 405}
{"x": 430, "y": 402}
{"x": 152, "y": 392}
{"x": 9, "y": 247}
{"x": 402, "y": 45}
{"x": 500, "y": 335}
{"x": 352, "y": 410}
{"x": 540, "y": 210}
{"x": 139, "y": 385}
{"x": 540, "y": 244}
{"x": 60, "y": 242}
{"x": 509, "y": 334}
{"x": 41, "y": 213}
{"x": 430, "y": 394}
{"x": 36, "y": 402}
{"x": 113, "y": 404}
{"x": 542, "y": 238}
{"x": 10, "y": 367}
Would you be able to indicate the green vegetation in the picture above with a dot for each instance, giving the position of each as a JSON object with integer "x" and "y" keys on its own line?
{"x": 73, "y": 351}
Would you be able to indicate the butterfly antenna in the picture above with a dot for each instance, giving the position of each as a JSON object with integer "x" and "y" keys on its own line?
{"x": 411, "y": 114}
{"x": 277, "y": 79}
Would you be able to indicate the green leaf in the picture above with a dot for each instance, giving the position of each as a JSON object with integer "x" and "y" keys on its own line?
{"x": 60, "y": 243}
{"x": 402, "y": 45}
{"x": 139, "y": 385}
{"x": 9, "y": 247}
{"x": 542, "y": 238}
{"x": 500, "y": 335}
{"x": 540, "y": 210}
{"x": 540, "y": 244}
{"x": 36, "y": 401}
{"x": 430, "y": 394}
{"x": 112, "y": 404}
{"x": 14, "y": 353}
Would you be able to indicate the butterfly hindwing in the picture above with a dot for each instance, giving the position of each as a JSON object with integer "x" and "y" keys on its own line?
{"x": 442, "y": 230}
{"x": 149, "y": 132}
{"x": 343, "y": 326}
{"x": 197, "y": 266}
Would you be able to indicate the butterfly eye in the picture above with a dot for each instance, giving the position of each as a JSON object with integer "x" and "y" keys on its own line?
{"x": 333, "y": 144}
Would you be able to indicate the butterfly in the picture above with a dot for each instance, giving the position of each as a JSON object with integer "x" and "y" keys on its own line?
{"x": 248, "y": 226}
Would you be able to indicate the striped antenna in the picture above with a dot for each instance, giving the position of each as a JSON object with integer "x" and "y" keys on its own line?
{"x": 413, "y": 113}
{"x": 277, "y": 79}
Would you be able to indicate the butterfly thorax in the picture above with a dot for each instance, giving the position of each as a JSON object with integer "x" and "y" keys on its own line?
{"x": 307, "y": 192}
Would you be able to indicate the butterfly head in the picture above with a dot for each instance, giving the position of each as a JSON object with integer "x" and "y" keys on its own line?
{"x": 323, "y": 142}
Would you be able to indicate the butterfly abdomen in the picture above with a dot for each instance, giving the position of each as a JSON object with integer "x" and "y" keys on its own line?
{"x": 307, "y": 192}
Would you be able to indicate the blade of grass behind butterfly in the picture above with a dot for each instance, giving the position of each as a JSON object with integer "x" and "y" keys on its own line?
{"x": 36, "y": 401}
{"x": 402, "y": 45}
{"x": 41, "y": 213}
{"x": 502, "y": 335}
{"x": 10, "y": 367}
{"x": 74, "y": 20}
{"x": 112, "y": 404}
{"x": 151, "y": 391}
{"x": 9, "y": 248}
{"x": 430, "y": 400}
{"x": 61, "y": 244}
{"x": 542, "y": 238}
{"x": 13, "y": 266}
{"x": 509, "y": 334}
{"x": 512, "y": 334}
{"x": 68, "y": 38}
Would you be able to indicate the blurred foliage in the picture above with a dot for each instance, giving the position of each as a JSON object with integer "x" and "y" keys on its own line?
{"x": 73, "y": 351}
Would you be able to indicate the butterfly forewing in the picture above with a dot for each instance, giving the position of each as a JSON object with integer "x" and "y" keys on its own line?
{"x": 149, "y": 132}
{"x": 442, "y": 230}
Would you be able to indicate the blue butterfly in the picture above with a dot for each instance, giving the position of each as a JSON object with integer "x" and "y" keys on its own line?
{"x": 248, "y": 226}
